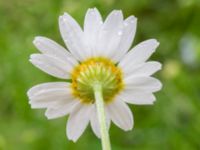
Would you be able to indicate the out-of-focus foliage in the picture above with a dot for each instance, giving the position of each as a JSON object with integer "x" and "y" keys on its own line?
{"x": 173, "y": 123}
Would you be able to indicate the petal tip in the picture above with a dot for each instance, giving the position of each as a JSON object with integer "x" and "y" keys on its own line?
{"x": 60, "y": 19}
{"x": 33, "y": 56}
{"x": 73, "y": 139}
{"x": 129, "y": 128}
{"x": 37, "y": 40}
{"x": 28, "y": 93}
{"x": 47, "y": 116}
{"x": 133, "y": 18}
{"x": 157, "y": 43}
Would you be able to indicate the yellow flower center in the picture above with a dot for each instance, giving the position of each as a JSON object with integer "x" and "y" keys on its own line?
{"x": 96, "y": 70}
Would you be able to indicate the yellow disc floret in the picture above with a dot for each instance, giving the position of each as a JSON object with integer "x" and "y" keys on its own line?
{"x": 94, "y": 70}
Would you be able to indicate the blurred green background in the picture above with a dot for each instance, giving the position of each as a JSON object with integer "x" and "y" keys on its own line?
{"x": 173, "y": 123}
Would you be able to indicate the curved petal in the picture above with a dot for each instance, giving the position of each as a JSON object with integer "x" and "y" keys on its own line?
{"x": 61, "y": 110}
{"x": 127, "y": 37}
{"x": 92, "y": 24}
{"x": 46, "y": 86}
{"x": 51, "y": 65}
{"x": 49, "y": 47}
{"x": 46, "y": 104}
{"x": 51, "y": 94}
{"x": 94, "y": 121}
{"x": 143, "y": 69}
{"x": 120, "y": 114}
{"x": 73, "y": 36}
{"x": 47, "y": 101}
{"x": 139, "y": 54}
{"x": 110, "y": 34}
{"x": 137, "y": 97}
{"x": 78, "y": 121}
{"x": 147, "y": 84}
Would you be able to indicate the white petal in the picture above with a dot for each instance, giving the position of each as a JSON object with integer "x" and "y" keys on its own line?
{"x": 120, "y": 114}
{"x": 73, "y": 36}
{"x": 137, "y": 97}
{"x": 127, "y": 37}
{"x": 143, "y": 69}
{"x": 92, "y": 24}
{"x": 62, "y": 110}
{"x": 147, "y": 84}
{"x": 51, "y": 65}
{"x": 139, "y": 54}
{"x": 44, "y": 104}
{"x": 78, "y": 121}
{"x": 49, "y": 47}
{"x": 51, "y": 94}
{"x": 110, "y": 34}
{"x": 95, "y": 122}
{"x": 50, "y": 102}
{"x": 45, "y": 86}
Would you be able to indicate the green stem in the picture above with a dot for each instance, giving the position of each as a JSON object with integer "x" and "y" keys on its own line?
{"x": 105, "y": 141}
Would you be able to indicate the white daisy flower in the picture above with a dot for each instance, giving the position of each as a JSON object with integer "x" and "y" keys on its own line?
{"x": 98, "y": 53}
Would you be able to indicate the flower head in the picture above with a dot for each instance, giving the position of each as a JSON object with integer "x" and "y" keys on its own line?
{"x": 98, "y": 53}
